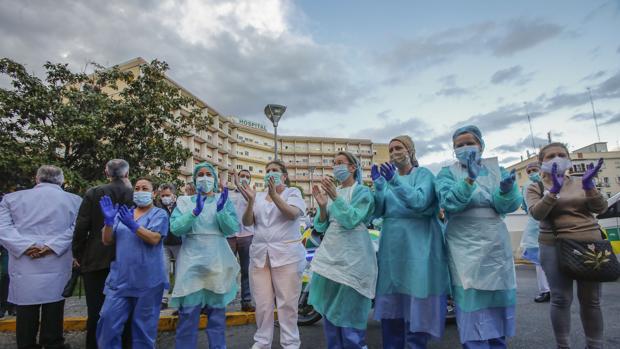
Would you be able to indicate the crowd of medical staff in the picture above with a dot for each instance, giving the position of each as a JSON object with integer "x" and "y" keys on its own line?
{"x": 442, "y": 237}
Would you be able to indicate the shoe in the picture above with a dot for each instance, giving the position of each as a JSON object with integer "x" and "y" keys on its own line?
{"x": 543, "y": 297}
{"x": 164, "y": 305}
{"x": 247, "y": 306}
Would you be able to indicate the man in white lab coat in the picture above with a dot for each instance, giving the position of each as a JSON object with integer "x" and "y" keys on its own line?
{"x": 36, "y": 227}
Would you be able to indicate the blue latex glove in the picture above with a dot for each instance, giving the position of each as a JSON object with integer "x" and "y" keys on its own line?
{"x": 374, "y": 172}
{"x": 108, "y": 209}
{"x": 200, "y": 204}
{"x": 505, "y": 186}
{"x": 473, "y": 166}
{"x": 558, "y": 181}
{"x": 222, "y": 200}
{"x": 126, "y": 216}
{"x": 587, "y": 182}
{"x": 388, "y": 171}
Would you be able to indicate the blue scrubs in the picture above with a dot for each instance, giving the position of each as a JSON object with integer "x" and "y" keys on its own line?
{"x": 413, "y": 280}
{"x": 135, "y": 284}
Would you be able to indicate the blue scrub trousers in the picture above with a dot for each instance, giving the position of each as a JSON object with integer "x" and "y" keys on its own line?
{"x": 343, "y": 337}
{"x": 187, "y": 329}
{"x": 396, "y": 335}
{"x": 144, "y": 312}
{"x": 495, "y": 343}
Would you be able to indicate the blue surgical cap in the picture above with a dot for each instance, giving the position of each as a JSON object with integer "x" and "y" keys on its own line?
{"x": 213, "y": 172}
{"x": 471, "y": 129}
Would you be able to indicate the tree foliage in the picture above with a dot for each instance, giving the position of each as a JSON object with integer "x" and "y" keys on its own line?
{"x": 80, "y": 121}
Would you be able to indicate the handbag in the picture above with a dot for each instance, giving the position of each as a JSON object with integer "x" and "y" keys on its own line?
{"x": 585, "y": 260}
{"x": 73, "y": 281}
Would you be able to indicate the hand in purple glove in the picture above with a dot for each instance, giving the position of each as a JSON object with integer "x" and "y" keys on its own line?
{"x": 108, "y": 209}
{"x": 473, "y": 166}
{"x": 374, "y": 172}
{"x": 200, "y": 204}
{"x": 505, "y": 186}
{"x": 387, "y": 171}
{"x": 587, "y": 182}
{"x": 126, "y": 216}
{"x": 558, "y": 181}
{"x": 222, "y": 200}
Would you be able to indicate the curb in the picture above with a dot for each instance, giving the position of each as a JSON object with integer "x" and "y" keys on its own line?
{"x": 167, "y": 323}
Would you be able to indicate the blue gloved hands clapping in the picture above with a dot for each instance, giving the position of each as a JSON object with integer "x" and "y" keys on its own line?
{"x": 108, "y": 209}
{"x": 126, "y": 216}
{"x": 388, "y": 171}
{"x": 200, "y": 204}
{"x": 587, "y": 182}
{"x": 558, "y": 181}
{"x": 222, "y": 200}
{"x": 374, "y": 172}
{"x": 505, "y": 186}
{"x": 473, "y": 166}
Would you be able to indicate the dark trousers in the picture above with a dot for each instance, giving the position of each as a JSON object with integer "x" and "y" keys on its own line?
{"x": 241, "y": 246}
{"x": 4, "y": 295}
{"x": 50, "y": 336}
{"x": 94, "y": 283}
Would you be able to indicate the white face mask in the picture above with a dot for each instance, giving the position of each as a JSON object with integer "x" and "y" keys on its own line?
{"x": 205, "y": 184}
{"x": 563, "y": 165}
{"x": 167, "y": 200}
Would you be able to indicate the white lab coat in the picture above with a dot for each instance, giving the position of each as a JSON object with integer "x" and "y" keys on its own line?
{"x": 43, "y": 215}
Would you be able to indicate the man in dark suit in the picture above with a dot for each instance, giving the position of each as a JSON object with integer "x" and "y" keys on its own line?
{"x": 91, "y": 254}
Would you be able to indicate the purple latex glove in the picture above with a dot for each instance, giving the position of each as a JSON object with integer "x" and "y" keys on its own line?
{"x": 473, "y": 166}
{"x": 222, "y": 200}
{"x": 558, "y": 181}
{"x": 387, "y": 171}
{"x": 126, "y": 216}
{"x": 108, "y": 209}
{"x": 200, "y": 204}
{"x": 587, "y": 182}
{"x": 374, "y": 172}
{"x": 505, "y": 186}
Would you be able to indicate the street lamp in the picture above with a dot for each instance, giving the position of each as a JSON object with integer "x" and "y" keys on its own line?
{"x": 311, "y": 170}
{"x": 274, "y": 113}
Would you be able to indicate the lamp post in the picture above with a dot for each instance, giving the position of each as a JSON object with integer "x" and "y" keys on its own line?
{"x": 311, "y": 170}
{"x": 274, "y": 113}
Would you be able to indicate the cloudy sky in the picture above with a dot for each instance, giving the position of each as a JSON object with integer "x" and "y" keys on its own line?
{"x": 356, "y": 68}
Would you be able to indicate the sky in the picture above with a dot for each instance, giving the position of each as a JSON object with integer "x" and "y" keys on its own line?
{"x": 357, "y": 68}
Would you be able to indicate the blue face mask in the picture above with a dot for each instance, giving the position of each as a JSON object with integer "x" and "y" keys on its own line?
{"x": 462, "y": 153}
{"x": 142, "y": 198}
{"x": 277, "y": 178}
{"x": 534, "y": 177}
{"x": 205, "y": 184}
{"x": 341, "y": 172}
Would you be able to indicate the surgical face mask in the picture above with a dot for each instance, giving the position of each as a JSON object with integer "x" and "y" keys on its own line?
{"x": 400, "y": 160}
{"x": 244, "y": 181}
{"x": 462, "y": 153}
{"x": 142, "y": 198}
{"x": 167, "y": 200}
{"x": 277, "y": 178}
{"x": 534, "y": 176}
{"x": 205, "y": 184}
{"x": 563, "y": 165}
{"x": 341, "y": 172}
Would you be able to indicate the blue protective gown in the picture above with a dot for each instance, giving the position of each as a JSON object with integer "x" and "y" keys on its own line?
{"x": 413, "y": 280}
{"x": 529, "y": 240}
{"x": 481, "y": 262}
{"x": 135, "y": 284}
{"x": 345, "y": 264}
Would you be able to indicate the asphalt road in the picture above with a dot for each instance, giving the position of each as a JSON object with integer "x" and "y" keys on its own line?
{"x": 533, "y": 325}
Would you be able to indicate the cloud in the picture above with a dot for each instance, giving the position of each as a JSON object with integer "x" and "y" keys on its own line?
{"x": 505, "y": 75}
{"x": 508, "y": 160}
{"x": 499, "y": 39}
{"x": 611, "y": 120}
{"x": 594, "y": 76}
{"x": 521, "y": 145}
{"x": 453, "y": 92}
{"x": 235, "y": 55}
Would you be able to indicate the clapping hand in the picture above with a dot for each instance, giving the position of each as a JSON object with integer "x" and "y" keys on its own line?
{"x": 108, "y": 209}
{"x": 505, "y": 186}
{"x": 126, "y": 214}
{"x": 222, "y": 200}
{"x": 473, "y": 166}
{"x": 374, "y": 172}
{"x": 321, "y": 198}
{"x": 587, "y": 182}
{"x": 387, "y": 171}
{"x": 200, "y": 204}
{"x": 328, "y": 187}
{"x": 558, "y": 181}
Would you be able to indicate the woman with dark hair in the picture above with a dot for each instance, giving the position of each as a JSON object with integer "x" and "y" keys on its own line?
{"x": 277, "y": 257}
{"x": 565, "y": 205}
{"x": 345, "y": 265}
{"x": 413, "y": 272}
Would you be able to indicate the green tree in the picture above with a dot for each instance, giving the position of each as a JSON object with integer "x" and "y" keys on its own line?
{"x": 78, "y": 122}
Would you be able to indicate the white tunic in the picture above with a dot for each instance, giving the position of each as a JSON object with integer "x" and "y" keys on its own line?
{"x": 42, "y": 216}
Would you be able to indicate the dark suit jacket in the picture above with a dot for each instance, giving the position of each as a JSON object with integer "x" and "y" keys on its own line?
{"x": 87, "y": 247}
